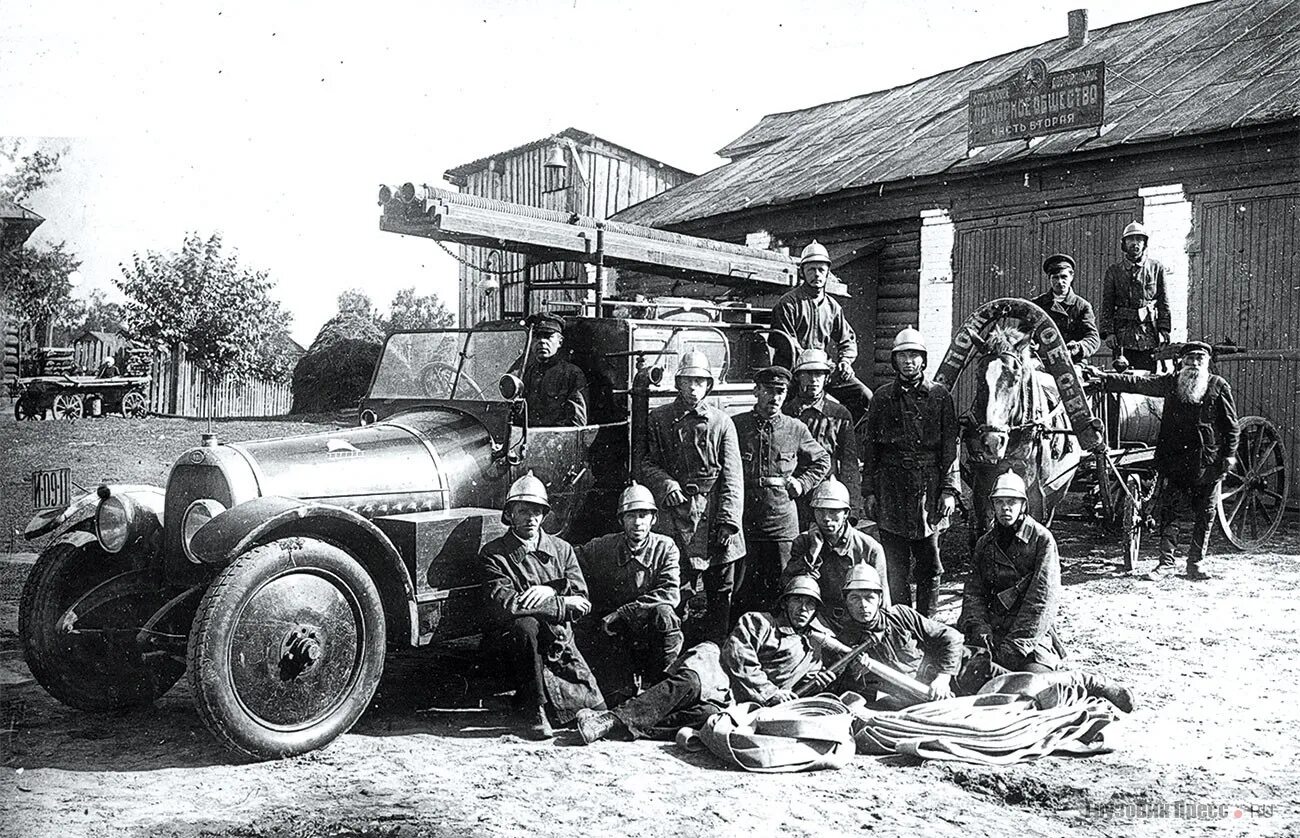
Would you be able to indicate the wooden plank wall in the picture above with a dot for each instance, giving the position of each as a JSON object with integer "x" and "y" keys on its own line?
{"x": 88, "y": 354}
{"x": 181, "y": 387}
{"x": 612, "y": 181}
{"x": 897, "y": 300}
{"x": 1270, "y": 389}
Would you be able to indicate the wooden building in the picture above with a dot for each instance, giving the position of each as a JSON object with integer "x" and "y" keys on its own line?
{"x": 92, "y": 346}
{"x": 17, "y": 224}
{"x": 587, "y": 176}
{"x": 1200, "y": 141}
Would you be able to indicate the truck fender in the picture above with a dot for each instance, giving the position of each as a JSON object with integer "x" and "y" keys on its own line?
{"x": 83, "y": 509}
{"x": 265, "y": 519}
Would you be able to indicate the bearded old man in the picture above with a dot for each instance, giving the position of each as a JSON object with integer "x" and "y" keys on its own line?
{"x": 1196, "y": 446}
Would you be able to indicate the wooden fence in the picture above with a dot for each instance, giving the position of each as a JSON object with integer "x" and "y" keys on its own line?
{"x": 181, "y": 387}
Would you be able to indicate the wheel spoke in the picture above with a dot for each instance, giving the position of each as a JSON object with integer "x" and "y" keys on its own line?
{"x": 1230, "y": 492}
{"x": 1236, "y": 509}
{"x": 1268, "y": 473}
{"x": 1272, "y": 494}
{"x": 1263, "y": 458}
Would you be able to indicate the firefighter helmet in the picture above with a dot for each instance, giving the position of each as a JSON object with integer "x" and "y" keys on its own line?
{"x": 831, "y": 494}
{"x": 802, "y": 584}
{"x": 695, "y": 364}
{"x": 909, "y": 338}
{"x": 862, "y": 577}
{"x": 1009, "y": 485}
{"x": 529, "y": 488}
{"x": 812, "y": 360}
{"x": 1135, "y": 229}
{"x": 636, "y": 498}
{"x": 814, "y": 252}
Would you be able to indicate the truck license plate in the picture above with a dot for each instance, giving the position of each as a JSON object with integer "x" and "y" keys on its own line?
{"x": 52, "y": 489}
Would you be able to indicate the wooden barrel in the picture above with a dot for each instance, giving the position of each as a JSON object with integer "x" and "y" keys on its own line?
{"x": 1139, "y": 418}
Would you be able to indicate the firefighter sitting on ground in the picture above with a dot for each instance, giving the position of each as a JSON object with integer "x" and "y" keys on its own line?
{"x": 632, "y": 577}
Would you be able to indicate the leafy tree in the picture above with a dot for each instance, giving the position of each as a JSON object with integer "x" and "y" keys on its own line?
{"x": 98, "y": 313}
{"x": 24, "y": 172}
{"x": 204, "y": 298}
{"x": 408, "y": 311}
{"x": 34, "y": 279}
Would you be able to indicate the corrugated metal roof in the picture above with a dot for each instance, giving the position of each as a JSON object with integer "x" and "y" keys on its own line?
{"x": 1210, "y": 67}
{"x": 459, "y": 172}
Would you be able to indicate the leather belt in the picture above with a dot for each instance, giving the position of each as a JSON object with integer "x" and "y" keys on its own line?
{"x": 699, "y": 486}
{"x": 775, "y": 482}
{"x": 912, "y": 460}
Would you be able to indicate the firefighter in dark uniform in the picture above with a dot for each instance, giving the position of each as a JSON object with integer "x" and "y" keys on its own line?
{"x": 781, "y": 462}
{"x": 692, "y": 465}
{"x": 909, "y": 472}
{"x": 816, "y": 321}
{"x": 535, "y": 590}
{"x": 633, "y": 582}
{"x": 831, "y": 424}
{"x": 554, "y": 390}
{"x": 1134, "y": 307}
{"x": 1071, "y": 313}
{"x": 1196, "y": 446}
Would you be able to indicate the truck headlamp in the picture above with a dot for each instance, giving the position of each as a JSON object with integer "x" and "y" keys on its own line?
{"x": 198, "y": 514}
{"x": 113, "y": 521}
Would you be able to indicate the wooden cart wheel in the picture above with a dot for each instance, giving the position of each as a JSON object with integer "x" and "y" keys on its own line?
{"x": 1110, "y": 492}
{"x": 1252, "y": 499}
{"x": 135, "y": 405}
{"x": 68, "y": 406}
{"x": 1131, "y": 519}
{"x": 27, "y": 409}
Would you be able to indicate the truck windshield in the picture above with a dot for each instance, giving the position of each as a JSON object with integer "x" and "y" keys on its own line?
{"x": 448, "y": 365}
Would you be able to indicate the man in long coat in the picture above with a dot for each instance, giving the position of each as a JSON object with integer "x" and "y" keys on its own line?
{"x": 535, "y": 590}
{"x": 1134, "y": 314}
{"x": 692, "y": 465}
{"x": 1195, "y": 448}
{"x": 831, "y": 424}
{"x": 909, "y": 471}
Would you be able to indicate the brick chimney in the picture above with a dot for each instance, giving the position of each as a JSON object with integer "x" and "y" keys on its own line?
{"x": 1078, "y": 19}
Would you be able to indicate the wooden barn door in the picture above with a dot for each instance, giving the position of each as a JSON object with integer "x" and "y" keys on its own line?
{"x": 1244, "y": 287}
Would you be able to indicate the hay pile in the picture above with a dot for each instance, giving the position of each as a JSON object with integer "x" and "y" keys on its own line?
{"x": 336, "y": 370}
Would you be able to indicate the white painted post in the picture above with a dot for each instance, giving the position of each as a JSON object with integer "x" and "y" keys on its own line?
{"x": 1167, "y": 214}
{"x": 935, "y": 293}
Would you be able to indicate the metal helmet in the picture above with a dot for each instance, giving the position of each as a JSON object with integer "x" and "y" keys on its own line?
{"x": 909, "y": 338}
{"x": 802, "y": 584}
{"x": 636, "y": 498}
{"x": 814, "y": 252}
{"x": 1009, "y": 485}
{"x": 529, "y": 488}
{"x": 1135, "y": 229}
{"x": 109, "y": 361}
{"x": 812, "y": 360}
{"x": 862, "y": 577}
{"x": 831, "y": 494}
{"x": 696, "y": 365}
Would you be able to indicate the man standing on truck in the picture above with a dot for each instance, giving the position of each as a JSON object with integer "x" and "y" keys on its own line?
{"x": 555, "y": 391}
{"x": 816, "y": 321}
{"x": 692, "y": 466}
{"x": 535, "y": 590}
{"x": 782, "y": 462}
{"x": 1134, "y": 308}
{"x": 633, "y": 577}
{"x": 1071, "y": 313}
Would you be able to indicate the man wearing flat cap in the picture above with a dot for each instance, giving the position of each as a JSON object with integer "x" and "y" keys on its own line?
{"x": 781, "y": 462}
{"x": 1071, "y": 313}
{"x": 1196, "y": 446}
{"x": 554, "y": 390}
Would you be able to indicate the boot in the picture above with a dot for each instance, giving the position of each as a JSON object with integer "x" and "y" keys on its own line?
{"x": 1195, "y": 573}
{"x": 539, "y": 726}
{"x": 927, "y": 595}
{"x": 1163, "y": 570}
{"x": 594, "y": 725}
{"x": 1117, "y": 694}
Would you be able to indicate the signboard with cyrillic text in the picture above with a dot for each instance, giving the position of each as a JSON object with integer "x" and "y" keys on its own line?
{"x": 1037, "y": 102}
{"x": 52, "y": 489}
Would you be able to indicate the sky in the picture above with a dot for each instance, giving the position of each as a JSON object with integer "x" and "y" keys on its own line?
{"x": 275, "y": 126}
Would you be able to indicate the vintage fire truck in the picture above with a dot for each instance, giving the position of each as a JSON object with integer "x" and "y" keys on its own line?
{"x": 278, "y": 572}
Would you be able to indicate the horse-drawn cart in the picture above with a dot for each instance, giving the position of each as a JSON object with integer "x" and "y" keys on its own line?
{"x": 72, "y": 397}
{"x": 1033, "y": 412}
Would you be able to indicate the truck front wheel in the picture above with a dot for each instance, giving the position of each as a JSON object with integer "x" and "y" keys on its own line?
{"x": 287, "y": 648}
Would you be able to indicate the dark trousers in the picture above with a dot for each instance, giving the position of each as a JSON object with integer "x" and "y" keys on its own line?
{"x": 1202, "y": 499}
{"x": 523, "y": 643}
{"x": 645, "y": 644}
{"x": 720, "y": 583}
{"x": 853, "y": 394}
{"x": 672, "y": 703}
{"x": 906, "y": 558}
{"x": 764, "y": 565}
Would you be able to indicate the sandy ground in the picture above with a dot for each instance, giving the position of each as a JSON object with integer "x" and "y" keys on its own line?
{"x": 1212, "y": 748}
